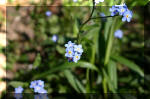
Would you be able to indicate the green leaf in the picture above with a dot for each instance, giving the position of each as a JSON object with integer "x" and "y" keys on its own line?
{"x": 128, "y": 63}
{"x": 60, "y": 49}
{"x": 17, "y": 83}
{"x": 37, "y": 61}
{"x": 68, "y": 65}
{"x": 74, "y": 82}
{"x": 112, "y": 72}
{"x": 109, "y": 82}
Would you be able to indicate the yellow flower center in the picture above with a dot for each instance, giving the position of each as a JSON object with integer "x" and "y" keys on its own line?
{"x": 122, "y": 10}
{"x": 77, "y": 57}
{"x": 127, "y": 16}
{"x": 69, "y": 52}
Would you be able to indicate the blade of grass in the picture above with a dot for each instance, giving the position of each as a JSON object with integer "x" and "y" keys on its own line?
{"x": 128, "y": 63}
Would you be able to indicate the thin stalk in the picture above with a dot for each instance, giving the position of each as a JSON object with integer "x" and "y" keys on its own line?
{"x": 104, "y": 85}
{"x": 87, "y": 81}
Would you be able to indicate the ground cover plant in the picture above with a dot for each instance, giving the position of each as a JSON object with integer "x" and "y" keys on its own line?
{"x": 78, "y": 49}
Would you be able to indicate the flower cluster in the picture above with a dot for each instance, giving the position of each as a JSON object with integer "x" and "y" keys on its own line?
{"x": 18, "y": 92}
{"x": 123, "y": 11}
{"x": 19, "y": 89}
{"x": 118, "y": 34}
{"x": 73, "y": 52}
{"x": 38, "y": 86}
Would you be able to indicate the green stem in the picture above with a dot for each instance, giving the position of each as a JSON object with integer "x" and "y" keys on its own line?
{"x": 87, "y": 81}
{"x": 104, "y": 85}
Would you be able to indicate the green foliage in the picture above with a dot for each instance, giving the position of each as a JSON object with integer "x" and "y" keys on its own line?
{"x": 37, "y": 61}
{"x": 129, "y": 64}
{"x": 107, "y": 62}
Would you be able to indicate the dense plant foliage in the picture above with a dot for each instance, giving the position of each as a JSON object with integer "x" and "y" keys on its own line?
{"x": 82, "y": 49}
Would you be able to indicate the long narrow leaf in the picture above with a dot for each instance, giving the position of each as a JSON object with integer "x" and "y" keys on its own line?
{"x": 128, "y": 63}
{"x": 74, "y": 82}
{"x": 112, "y": 72}
{"x": 109, "y": 82}
{"x": 68, "y": 65}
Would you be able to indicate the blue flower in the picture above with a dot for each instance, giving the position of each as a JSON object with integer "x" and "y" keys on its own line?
{"x": 54, "y": 38}
{"x": 33, "y": 84}
{"x": 78, "y": 49}
{"x": 37, "y": 89}
{"x": 19, "y": 89}
{"x": 40, "y": 83}
{"x": 69, "y": 52}
{"x": 73, "y": 51}
{"x": 98, "y": 1}
{"x": 43, "y": 90}
{"x": 127, "y": 16}
{"x": 118, "y": 34}
{"x": 76, "y": 57}
{"x": 48, "y": 13}
{"x": 70, "y": 44}
{"x": 75, "y": 0}
{"x": 121, "y": 10}
{"x": 38, "y": 86}
{"x": 113, "y": 10}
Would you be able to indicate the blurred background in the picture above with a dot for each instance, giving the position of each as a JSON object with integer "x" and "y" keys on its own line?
{"x": 33, "y": 54}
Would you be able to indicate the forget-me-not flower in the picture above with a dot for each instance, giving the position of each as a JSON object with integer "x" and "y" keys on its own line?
{"x": 76, "y": 57}
{"x": 33, "y": 84}
{"x": 19, "y": 89}
{"x": 123, "y": 11}
{"x": 118, "y": 34}
{"x": 70, "y": 44}
{"x": 37, "y": 89}
{"x": 54, "y": 38}
{"x": 43, "y": 90}
{"x": 69, "y": 52}
{"x": 40, "y": 83}
{"x": 113, "y": 10}
{"x": 127, "y": 16}
{"x": 73, "y": 51}
{"x": 98, "y": 1}
{"x": 75, "y": 0}
{"x": 48, "y": 13}
{"x": 38, "y": 86}
{"x": 78, "y": 49}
